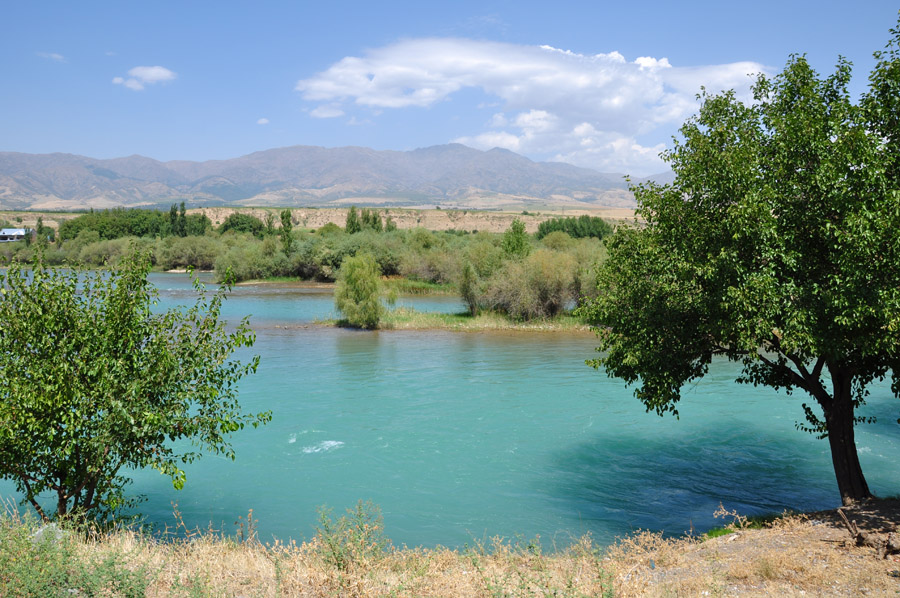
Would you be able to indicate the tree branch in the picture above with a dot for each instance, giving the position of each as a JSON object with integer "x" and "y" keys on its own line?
{"x": 796, "y": 378}
{"x": 29, "y": 493}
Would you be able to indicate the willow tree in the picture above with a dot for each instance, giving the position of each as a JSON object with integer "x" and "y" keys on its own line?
{"x": 94, "y": 383}
{"x": 777, "y": 246}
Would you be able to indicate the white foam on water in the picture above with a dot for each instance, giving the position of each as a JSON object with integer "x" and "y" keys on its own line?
{"x": 292, "y": 439}
{"x": 324, "y": 446}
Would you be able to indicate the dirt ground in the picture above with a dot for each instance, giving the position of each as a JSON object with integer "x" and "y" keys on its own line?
{"x": 467, "y": 220}
{"x": 431, "y": 219}
{"x": 804, "y": 555}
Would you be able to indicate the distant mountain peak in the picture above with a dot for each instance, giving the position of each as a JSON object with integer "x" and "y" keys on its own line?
{"x": 450, "y": 175}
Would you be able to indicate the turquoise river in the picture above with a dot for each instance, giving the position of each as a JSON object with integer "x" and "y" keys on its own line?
{"x": 459, "y": 437}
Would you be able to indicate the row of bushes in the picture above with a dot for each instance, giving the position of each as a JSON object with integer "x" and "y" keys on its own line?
{"x": 513, "y": 273}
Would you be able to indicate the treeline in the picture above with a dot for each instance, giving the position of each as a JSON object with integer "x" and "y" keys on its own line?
{"x": 515, "y": 273}
{"x": 120, "y": 222}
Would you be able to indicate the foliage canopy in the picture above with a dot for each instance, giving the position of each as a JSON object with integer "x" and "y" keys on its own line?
{"x": 93, "y": 381}
{"x": 243, "y": 223}
{"x": 579, "y": 227}
{"x": 777, "y": 246}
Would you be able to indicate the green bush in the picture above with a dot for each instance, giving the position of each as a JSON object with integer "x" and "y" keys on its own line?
{"x": 252, "y": 261}
{"x": 539, "y": 286}
{"x": 183, "y": 252}
{"x": 117, "y": 223}
{"x": 42, "y": 561}
{"x": 243, "y": 223}
{"x": 469, "y": 288}
{"x": 437, "y": 264}
{"x": 356, "y": 538}
{"x": 485, "y": 256}
{"x": 589, "y": 254}
{"x": 558, "y": 240}
{"x": 577, "y": 227}
{"x": 515, "y": 240}
{"x": 358, "y": 291}
{"x": 329, "y": 229}
{"x": 103, "y": 253}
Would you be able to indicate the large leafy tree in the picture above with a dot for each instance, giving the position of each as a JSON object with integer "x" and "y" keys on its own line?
{"x": 777, "y": 246}
{"x": 93, "y": 383}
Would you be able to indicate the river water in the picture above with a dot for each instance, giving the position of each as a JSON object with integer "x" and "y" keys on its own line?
{"x": 462, "y": 436}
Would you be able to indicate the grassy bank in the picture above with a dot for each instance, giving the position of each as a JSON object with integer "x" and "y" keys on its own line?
{"x": 350, "y": 556}
{"x": 405, "y": 318}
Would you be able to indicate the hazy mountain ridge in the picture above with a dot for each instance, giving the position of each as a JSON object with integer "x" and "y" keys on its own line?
{"x": 453, "y": 175}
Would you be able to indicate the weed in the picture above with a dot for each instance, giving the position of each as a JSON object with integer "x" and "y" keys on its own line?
{"x": 47, "y": 564}
{"x": 352, "y": 539}
{"x": 247, "y": 529}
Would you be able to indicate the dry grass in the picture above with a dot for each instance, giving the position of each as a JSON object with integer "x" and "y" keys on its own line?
{"x": 795, "y": 556}
{"x": 403, "y": 318}
{"x": 210, "y": 566}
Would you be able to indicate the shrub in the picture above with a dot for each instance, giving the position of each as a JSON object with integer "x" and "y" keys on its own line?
{"x": 469, "y": 288}
{"x": 329, "y": 229}
{"x": 108, "y": 253}
{"x": 182, "y": 252}
{"x": 243, "y": 223}
{"x": 45, "y": 561}
{"x": 485, "y": 256}
{"x": 515, "y": 240}
{"x": 559, "y": 241}
{"x": 589, "y": 255}
{"x": 538, "y": 287}
{"x": 353, "y": 539}
{"x": 358, "y": 290}
{"x": 252, "y": 261}
{"x": 577, "y": 227}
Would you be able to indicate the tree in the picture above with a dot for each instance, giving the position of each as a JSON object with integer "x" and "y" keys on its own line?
{"x": 173, "y": 220}
{"x": 357, "y": 293}
{"x": 515, "y": 240}
{"x": 287, "y": 239}
{"x": 181, "y": 222}
{"x": 93, "y": 383}
{"x": 43, "y": 233}
{"x": 353, "y": 224}
{"x": 469, "y": 288}
{"x": 776, "y": 246}
{"x": 243, "y": 223}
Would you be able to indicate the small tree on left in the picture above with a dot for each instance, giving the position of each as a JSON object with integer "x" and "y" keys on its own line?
{"x": 93, "y": 383}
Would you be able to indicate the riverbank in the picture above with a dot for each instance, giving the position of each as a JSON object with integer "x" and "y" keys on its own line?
{"x": 800, "y": 555}
{"x": 404, "y": 318}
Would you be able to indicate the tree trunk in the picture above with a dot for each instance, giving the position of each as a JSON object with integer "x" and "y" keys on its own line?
{"x": 839, "y": 421}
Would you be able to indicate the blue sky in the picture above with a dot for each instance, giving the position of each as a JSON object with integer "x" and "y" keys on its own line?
{"x": 597, "y": 84}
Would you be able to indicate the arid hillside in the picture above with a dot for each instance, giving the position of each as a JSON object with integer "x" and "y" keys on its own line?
{"x": 468, "y": 220}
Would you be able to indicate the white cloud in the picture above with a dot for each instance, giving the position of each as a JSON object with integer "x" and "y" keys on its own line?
{"x": 141, "y": 76}
{"x": 52, "y": 56}
{"x": 591, "y": 110}
{"x": 326, "y": 111}
{"x": 262, "y": 121}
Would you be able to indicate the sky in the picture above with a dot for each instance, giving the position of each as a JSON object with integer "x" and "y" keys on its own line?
{"x": 598, "y": 84}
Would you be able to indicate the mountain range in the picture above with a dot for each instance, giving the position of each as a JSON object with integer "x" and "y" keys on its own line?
{"x": 451, "y": 176}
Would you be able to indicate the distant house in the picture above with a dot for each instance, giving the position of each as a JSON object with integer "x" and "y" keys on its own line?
{"x": 8, "y": 235}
